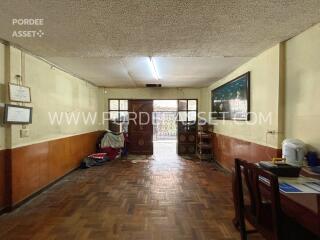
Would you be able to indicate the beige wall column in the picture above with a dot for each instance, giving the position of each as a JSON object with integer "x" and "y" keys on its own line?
{"x": 302, "y": 79}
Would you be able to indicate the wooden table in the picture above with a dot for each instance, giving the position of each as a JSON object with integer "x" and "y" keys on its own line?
{"x": 304, "y": 208}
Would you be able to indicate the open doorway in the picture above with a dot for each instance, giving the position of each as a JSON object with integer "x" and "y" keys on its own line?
{"x": 174, "y": 122}
{"x": 165, "y": 124}
{"x": 164, "y": 120}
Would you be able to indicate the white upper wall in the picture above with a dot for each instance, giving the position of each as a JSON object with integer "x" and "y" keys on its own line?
{"x": 264, "y": 100}
{"x": 53, "y": 91}
{"x": 153, "y": 93}
{"x": 302, "y": 115}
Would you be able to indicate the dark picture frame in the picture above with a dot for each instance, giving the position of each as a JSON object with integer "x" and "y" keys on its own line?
{"x": 17, "y": 121}
{"x": 231, "y": 101}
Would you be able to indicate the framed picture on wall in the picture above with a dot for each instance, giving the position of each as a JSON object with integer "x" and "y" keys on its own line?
{"x": 15, "y": 114}
{"x": 231, "y": 101}
{"x": 19, "y": 93}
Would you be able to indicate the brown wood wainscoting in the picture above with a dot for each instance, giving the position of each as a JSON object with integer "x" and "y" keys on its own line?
{"x": 36, "y": 166}
{"x": 226, "y": 149}
{"x": 4, "y": 179}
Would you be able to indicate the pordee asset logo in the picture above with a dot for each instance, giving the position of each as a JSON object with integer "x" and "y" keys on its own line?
{"x": 25, "y": 33}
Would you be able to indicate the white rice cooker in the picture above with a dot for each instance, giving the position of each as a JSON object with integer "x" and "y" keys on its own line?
{"x": 293, "y": 150}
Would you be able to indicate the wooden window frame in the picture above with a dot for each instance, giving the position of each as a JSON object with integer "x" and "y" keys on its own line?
{"x": 118, "y": 110}
{"x": 187, "y": 110}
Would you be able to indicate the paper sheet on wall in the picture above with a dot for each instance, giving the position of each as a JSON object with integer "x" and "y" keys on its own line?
{"x": 16, "y": 114}
{"x": 19, "y": 93}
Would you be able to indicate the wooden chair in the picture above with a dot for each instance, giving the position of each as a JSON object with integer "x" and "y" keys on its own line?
{"x": 264, "y": 210}
{"x": 244, "y": 170}
{"x": 269, "y": 218}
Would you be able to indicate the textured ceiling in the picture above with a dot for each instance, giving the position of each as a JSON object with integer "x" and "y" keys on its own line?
{"x": 194, "y": 42}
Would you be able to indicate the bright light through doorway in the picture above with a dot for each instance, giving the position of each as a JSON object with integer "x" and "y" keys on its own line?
{"x": 165, "y": 126}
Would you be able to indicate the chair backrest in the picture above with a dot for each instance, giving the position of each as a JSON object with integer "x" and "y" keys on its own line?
{"x": 245, "y": 170}
{"x": 266, "y": 188}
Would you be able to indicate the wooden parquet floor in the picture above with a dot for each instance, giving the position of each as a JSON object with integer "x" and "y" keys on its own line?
{"x": 164, "y": 198}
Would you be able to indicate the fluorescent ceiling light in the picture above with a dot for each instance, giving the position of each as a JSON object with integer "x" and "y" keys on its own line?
{"x": 154, "y": 69}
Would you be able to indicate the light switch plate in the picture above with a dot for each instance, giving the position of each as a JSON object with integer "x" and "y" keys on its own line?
{"x": 24, "y": 133}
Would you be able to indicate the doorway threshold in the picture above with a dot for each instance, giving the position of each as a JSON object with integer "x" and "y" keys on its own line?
{"x": 164, "y": 141}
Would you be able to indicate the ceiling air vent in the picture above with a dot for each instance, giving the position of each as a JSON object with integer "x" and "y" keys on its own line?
{"x": 153, "y": 85}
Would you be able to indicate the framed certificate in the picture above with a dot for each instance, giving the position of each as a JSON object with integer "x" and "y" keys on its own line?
{"x": 14, "y": 114}
{"x": 19, "y": 93}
